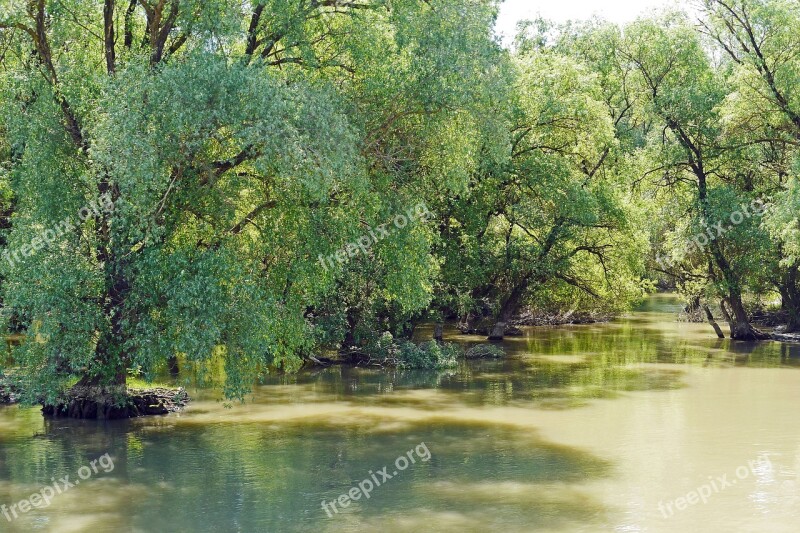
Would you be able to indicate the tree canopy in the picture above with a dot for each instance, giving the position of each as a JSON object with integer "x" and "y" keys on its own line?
{"x": 241, "y": 184}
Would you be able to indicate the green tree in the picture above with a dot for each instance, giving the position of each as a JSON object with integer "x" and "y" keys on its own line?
{"x": 549, "y": 217}
{"x": 680, "y": 92}
{"x": 230, "y": 145}
{"x": 760, "y": 38}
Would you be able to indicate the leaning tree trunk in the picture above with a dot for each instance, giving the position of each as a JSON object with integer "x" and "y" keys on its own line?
{"x": 737, "y": 318}
{"x": 507, "y": 310}
{"x": 741, "y": 329}
{"x": 713, "y": 322}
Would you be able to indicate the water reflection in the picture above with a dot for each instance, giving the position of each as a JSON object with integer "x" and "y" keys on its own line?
{"x": 580, "y": 428}
{"x": 273, "y": 476}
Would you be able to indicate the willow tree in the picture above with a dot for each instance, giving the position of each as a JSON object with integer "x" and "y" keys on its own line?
{"x": 680, "y": 91}
{"x": 549, "y": 218}
{"x": 761, "y": 40}
{"x": 229, "y": 144}
{"x": 422, "y": 98}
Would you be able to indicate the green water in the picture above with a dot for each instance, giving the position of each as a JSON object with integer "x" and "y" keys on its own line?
{"x": 584, "y": 428}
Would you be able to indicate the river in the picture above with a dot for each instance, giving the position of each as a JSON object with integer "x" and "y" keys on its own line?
{"x": 643, "y": 424}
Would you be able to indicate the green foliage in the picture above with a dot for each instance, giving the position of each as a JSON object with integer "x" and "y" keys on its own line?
{"x": 485, "y": 351}
{"x": 239, "y": 143}
{"x": 555, "y": 213}
{"x": 429, "y": 356}
{"x": 383, "y": 349}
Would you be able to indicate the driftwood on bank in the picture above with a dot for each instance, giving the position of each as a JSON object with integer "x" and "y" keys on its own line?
{"x": 488, "y": 327}
{"x": 359, "y": 357}
{"x": 786, "y": 337}
{"x": 571, "y": 317}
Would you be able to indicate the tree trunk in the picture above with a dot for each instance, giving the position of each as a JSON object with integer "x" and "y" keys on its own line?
{"x": 465, "y": 323}
{"x": 739, "y": 322}
{"x": 694, "y": 306}
{"x": 713, "y": 322}
{"x": 352, "y": 322}
{"x": 790, "y": 298}
{"x": 793, "y": 321}
{"x": 438, "y": 332}
{"x": 507, "y": 311}
{"x": 741, "y": 329}
{"x": 102, "y": 392}
{"x": 173, "y": 365}
{"x": 498, "y": 332}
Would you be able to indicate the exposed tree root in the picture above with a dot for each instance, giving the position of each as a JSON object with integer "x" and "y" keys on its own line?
{"x": 116, "y": 403}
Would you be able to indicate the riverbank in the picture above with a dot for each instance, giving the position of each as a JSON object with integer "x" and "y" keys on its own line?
{"x": 484, "y": 326}
{"x": 103, "y": 403}
{"x": 110, "y": 404}
{"x": 786, "y": 337}
{"x": 568, "y": 318}
{"x": 407, "y": 355}
{"x": 557, "y": 436}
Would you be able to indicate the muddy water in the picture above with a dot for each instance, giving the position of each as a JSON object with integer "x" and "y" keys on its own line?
{"x": 645, "y": 424}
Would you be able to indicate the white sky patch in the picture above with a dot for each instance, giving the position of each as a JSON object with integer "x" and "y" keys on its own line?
{"x": 618, "y": 11}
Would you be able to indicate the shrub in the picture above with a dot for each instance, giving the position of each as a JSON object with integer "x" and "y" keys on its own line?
{"x": 485, "y": 351}
{"x": 429, "y": 355}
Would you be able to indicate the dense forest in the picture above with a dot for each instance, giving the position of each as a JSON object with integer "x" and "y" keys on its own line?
{"x": 243, "y": 186}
